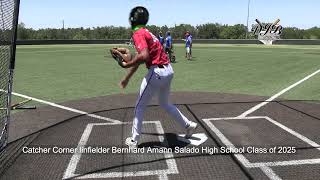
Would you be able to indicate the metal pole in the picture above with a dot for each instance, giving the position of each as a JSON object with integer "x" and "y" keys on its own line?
{"x": 14, "y": 34}
{"x": 248, "y": 19}
{"x": 63, "y": 34}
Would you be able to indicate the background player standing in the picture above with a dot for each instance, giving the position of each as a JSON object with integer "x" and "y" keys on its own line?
{"x": 169, "y": 47}
{"x": 190, "y": 35}
{"x": 188, "y": 41}
{"x": 158, "y": 79}
{"x": 161, "y": 38}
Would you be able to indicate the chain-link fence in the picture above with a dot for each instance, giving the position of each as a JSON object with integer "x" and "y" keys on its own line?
{"x": 9, "y": 10}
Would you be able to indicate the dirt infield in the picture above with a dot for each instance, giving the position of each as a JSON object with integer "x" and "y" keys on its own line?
{"x": 291, "y": 127}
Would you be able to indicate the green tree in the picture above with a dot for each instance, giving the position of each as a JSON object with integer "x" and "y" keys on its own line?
{"x": 23, "y": 32}
{"x": 79, "y": 36}
{"x": 180, "y": 30}
{"x": 312, "y": 33}
{"x": 202, "y": 31}
{"x": 237, "y": 31}
{"x": 292, "y": 33}
{"x": 209, "y": 31}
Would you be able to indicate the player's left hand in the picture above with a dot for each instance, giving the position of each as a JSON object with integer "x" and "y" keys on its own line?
{"x": 121, "y": 55}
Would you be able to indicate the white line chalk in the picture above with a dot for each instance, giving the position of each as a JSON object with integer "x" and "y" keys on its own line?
{"x": 264, "y": 166}
{"x": 72, "y": 166}
{"x": 241, "y": 158}
{"x": 270, "y": 173}
{"x": 66, "y": 108}
{"x": 227, "y": 142}
{"x": 294, "y": 133}
{"x": 161, "y": 173}
{"x": 258, "y": 106}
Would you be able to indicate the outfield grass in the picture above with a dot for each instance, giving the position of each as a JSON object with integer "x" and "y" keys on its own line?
{"x": 60, "y": 73}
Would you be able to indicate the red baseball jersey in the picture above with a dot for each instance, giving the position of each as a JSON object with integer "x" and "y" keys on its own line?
{"x": 142, "y": 39}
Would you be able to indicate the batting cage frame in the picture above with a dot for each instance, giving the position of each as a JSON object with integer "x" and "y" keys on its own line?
{"x": 9, "y": 15}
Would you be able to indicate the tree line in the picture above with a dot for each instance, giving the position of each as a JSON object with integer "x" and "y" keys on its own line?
{"x": 203, "y": 31}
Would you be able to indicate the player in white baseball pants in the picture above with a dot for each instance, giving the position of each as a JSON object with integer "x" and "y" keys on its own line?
{"x": 158, "y": 79}
{"x": 156, "y": 82}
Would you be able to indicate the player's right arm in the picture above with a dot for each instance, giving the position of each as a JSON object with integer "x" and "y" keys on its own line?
{"x": 134, "y": 64}
{"x": 142, "y": 51}
{"x": 141, "y": 56}
{"x": 124, "y": 82}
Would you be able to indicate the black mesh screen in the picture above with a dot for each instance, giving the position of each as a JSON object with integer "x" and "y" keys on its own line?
{"x": 8, "y": 23}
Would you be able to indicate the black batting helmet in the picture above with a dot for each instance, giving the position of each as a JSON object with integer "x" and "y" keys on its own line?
{"x": 139, "y": 16}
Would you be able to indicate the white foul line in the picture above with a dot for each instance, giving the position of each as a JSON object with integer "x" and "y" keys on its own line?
{"x": 76, "y": 157}
{"x": 264, "y": 166}
{"x": 67, "y": 108}
{"x": 241, "y": 158}
{"x": 294, "y": 133}
{"x": 258, "y": 106}
{"x": 270, "y": 173}
{"x": 227, "y": 142}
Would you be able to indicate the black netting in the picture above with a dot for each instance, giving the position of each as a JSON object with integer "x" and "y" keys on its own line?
{"x": 7, "y": 13}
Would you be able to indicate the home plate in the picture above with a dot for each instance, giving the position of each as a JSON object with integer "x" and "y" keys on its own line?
{"x": 195, "y": 139}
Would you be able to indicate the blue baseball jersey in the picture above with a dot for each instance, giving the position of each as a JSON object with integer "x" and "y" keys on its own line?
{"x": 188, "y": 41}
{"x": 168, "y": 41}
{"x": 161, "y": 39}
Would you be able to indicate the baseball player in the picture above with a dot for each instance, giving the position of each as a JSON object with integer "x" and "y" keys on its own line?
{"x": 169, "y": 47}
{"x": 190, "y": 36}
{"x": 188, "y": 41}
{"x": 158, "y": 79}
{"x": 161, "y": 38}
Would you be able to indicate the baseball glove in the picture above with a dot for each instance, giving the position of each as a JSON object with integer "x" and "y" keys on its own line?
{"x": 121, "y": 55}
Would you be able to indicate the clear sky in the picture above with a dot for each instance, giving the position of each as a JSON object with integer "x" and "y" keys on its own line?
{"x": 93, "y": 13}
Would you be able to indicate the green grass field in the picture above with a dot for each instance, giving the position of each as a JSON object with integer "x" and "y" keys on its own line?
{"x": 60, "y": 73}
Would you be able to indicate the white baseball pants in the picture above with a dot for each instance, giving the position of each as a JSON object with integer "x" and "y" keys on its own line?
{"x": 156, "y": 82}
